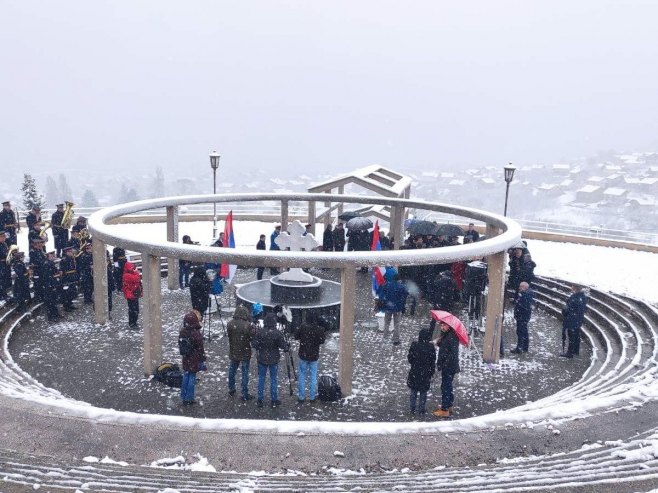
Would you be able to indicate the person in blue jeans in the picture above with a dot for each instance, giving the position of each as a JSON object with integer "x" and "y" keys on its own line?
{"x": 268, "y": 343}
{"x": 194, "y": 360}
{"x": 310, "y": 336}
{"x": 447, "y": 363}
{"x": 421, "y": 357}
{"x": 240, "y": 334}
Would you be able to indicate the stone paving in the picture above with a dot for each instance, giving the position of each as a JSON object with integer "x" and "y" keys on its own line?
{"x": 102, "y": 365}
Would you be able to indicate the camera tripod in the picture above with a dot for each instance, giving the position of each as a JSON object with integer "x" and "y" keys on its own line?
{"x": 475, "y": 303}
{"x": 290, "y": 360}
{"x": 209, "y": 336}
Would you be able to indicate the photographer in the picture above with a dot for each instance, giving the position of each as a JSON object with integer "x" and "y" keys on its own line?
{"x": 268, "y": 342}
{"x": 310, "y": 336}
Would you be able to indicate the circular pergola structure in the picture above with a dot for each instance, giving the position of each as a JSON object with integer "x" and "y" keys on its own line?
{"x": 501, "y": 234}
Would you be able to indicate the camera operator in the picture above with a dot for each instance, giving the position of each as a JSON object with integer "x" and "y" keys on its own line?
{"x": 310, "y": 336}
{"x": 268, "y": 342}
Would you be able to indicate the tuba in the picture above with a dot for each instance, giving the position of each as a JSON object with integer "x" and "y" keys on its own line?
{"x": 84, "y": 239}
{"x": 46, "y": 226}
{"x": 68, "y": 215}
{"x": 10, "y": 255}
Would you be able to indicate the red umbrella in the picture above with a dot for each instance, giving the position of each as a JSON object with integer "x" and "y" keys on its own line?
{"x": 452, "y": 321}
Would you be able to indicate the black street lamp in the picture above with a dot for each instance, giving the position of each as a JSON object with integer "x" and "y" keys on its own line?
{"x": 214, "y": 164}
{"x": 509, "y": 176}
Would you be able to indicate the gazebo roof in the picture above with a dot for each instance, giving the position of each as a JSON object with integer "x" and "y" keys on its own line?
{"x": 376, "y": 178}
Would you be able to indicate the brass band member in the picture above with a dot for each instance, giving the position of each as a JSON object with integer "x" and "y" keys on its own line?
{"x": 37, "y": 259}
{"x": 70, "y": 278}
{"x": 5, "y": 269}
{"x": 33, "y": 217}
{"x": 85, "y": 271}
{"x": 60, "y": 232}
{"x": 52, "y": 283}
{"x": 22, "y": 281}
{"x": 8, "y": 222}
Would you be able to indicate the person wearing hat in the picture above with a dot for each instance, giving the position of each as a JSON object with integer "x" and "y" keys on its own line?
{"x": 118, "y": 260}
{"x": 33, "y": 217}
{"x": 5, "y": 269}
{"x": 51, "y": 285}
{"x": 70, "y": 278}
{"x": 132, "y": 291}
{"x": 522, "y": 314}
{"x": 60, "y": 233}
{"x": 85, "y": 266}
{"x": 8, "y": 222}
{"x": 37, "y": 259}
{"x": 34, "y": 231}
{"x": 22, "y": 281}
{"x": 443, "y": 292}
{"x": 195, "y": 357}
{"x": 75, "y": 241}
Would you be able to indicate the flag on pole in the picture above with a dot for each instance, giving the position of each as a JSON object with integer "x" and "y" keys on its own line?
{"x": 227, "y": 271}
{"x": 377, "y": 271}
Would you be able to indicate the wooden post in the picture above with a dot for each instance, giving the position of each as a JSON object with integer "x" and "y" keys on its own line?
{"x": 341, "y": 191}
{"x": 327, "y": 218}
{"x": 346, "y": 349}
{"x": 172, "y": 235}
{"x": 284, "y": 215}
{"x": 311, "y": 215}
{"x": 397, "y": 226}
{"x": 152, "y": 313}
{"x": 100, "y": 281}
{"x": 495, "y": 298}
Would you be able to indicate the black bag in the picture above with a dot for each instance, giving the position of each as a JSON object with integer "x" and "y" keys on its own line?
{"x": 185, "y": 346}
{"x": 328, "y": 389}
{"x": 169, "y": 374}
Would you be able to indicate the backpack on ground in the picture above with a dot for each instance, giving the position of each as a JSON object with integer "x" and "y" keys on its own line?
{"x": 185, "y": 346}
{"x": 169, "y": 374}
{"x": 328, "y": 389}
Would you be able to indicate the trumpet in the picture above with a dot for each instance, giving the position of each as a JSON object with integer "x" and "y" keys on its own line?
{"x": 84, "y": 239}
{"x": 10, "y": 255}
{"x": 46, "y": 226}
{"x": 68, "y": 215}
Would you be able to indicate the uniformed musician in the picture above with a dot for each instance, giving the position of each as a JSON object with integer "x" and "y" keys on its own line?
{"x": 70, "y": 278}
{"x": 85, "y": 270}
{"x": 52, "y": 285}
{"x": 60, "y": 233}
{"x": 32, "y": 217}
{"x": 22, "y": 281}
{"x": 5, "y": 269}
{"x": 8, "y": 222}
{"x": 37, "y": 258}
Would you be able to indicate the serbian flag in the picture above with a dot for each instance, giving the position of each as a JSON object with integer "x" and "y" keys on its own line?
{"x": 228, "y": 271}
{"x": 377, "y": 271}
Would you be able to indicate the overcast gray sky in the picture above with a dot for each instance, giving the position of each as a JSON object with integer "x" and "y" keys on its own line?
{"x": 307, "y": 85}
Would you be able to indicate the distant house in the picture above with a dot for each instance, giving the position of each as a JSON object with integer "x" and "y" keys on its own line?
{"x": 561, "y": 169}
{"x": 614, "y": 180}
{"x": 488, "y": 182}
{"x": 549, "y": 189}
{"x": 596, "y": 180}
{"x": 642, "y": 202}
{"x": 589, "y": 194}
{"x": 615, "y": 195}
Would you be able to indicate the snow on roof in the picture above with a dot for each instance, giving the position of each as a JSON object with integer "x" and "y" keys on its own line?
{"x": 596, "y": 179}
{"x": 547, "y": 186}
{"x": 614, "y": 192}
{"x": 488, "y": 181}
{"x": 447, "y": 175}
{"x": 566, "y": 183}
{"x": 613, "y": 167}
{"x": 457, "y": 183}
{"x": 429, "y": 174}
{"x": 642, "y": 198}
{"x": 649, "y": 181}
{"x": 563, "y": 167}
{"x": 589, "y": 189}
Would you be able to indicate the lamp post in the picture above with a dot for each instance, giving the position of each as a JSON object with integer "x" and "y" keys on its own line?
{"x": 214, "y": 164}
{"x": 509, "y": 176}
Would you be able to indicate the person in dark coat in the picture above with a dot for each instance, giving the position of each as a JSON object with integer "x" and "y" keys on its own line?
{"x": 273, "y": 246}
{"x": 184, "y": 267}
{"x": 111, "y": 284}
{"x": 194, "y": 361}
{"x": 268, "y": 342}
{"x": 200, "y": 290}
{"x": 527, "y": 269}
{"x": 119, "y": 260}
{"x": 339, "y": 238}
{"x": 574, "y": 314}
{"x": 443, "y": 291}
{"x": 5, "y": 268}
{"x": 447, "y": 362}
{"x": 522, "y": 314}
{"x": 37, "y": 259}
{"x": 310, "y": 336}
{"x": 33, "y": 217}
{"x": 60, "y": 233}
{"x": 328, "y": 239}
{"x": 132, "y": 291}
{"x": 51, "y": 285}
{"x": 86, "y": 271}
{"x": 471, "y": 235}
{"x": 393, "y": 298}
{"x": 260, "y": 246}
{"x": 8, "y": 222}
{"x": 22, "y": 281}
{"x": 240, "y": 334}
{"x": 70, "y": 278}
{"x": 421, "y": 357}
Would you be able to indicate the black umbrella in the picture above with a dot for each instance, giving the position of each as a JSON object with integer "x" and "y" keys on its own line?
{"x": 359, "y": 223}
{"x": 422, "y": 228}
{"x": 450, "y": 230}
{"x": 346, "y": 216}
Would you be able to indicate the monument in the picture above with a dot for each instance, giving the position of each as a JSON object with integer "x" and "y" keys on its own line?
{"x": 294, "y": 288}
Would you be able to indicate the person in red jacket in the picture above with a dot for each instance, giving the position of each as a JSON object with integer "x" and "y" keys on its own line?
{"x": 194, "y": 357}
{"x": 132, "y": 290}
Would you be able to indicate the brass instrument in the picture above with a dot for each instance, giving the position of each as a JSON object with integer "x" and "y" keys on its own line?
{"x": 68, "y": 215}
{"x": 46, "y": 226}
{"x": 10, "y": 255}
{"x": 84, "y": 239}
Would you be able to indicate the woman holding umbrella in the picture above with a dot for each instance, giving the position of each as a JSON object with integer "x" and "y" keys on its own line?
{"x": 452, "y": 333}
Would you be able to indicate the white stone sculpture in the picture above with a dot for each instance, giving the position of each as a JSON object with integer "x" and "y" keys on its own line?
{"x": 296, "y": 239}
